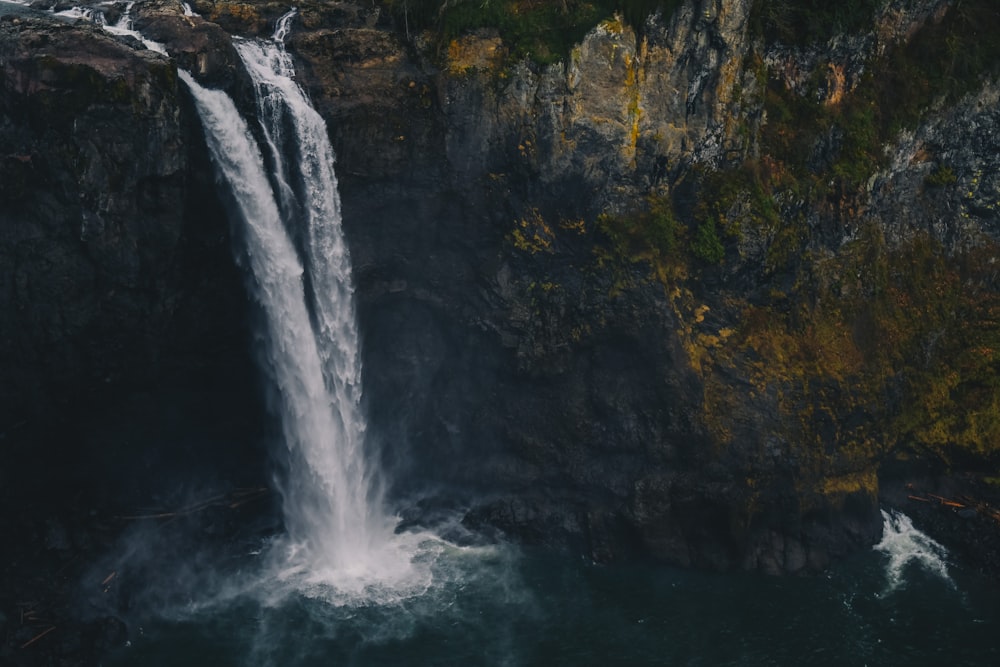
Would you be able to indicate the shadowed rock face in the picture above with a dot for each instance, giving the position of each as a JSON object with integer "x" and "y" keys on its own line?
{"x": 124, "y": 373}
{"x": 512, "y": 359}
{"x": 508, "y": 355}
{"x": 115, "y": 253}
{"x": 503, "y": 359}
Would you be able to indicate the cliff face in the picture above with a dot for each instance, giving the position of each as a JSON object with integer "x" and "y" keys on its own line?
{"x": 625, "y": 294}
{"x": 682, "y": 293}
{"x": 110, "y": 225}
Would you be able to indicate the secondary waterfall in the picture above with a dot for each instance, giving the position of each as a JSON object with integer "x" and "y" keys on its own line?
{"x": 333, "y": 507}
{"x": 905, "y": 545}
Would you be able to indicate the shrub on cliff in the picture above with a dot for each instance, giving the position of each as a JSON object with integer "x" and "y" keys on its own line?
{"x": 543, "y": 30}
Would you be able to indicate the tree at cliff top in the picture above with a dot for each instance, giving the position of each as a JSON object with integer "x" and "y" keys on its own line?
{"x": 543, "y": 30}
{"x": 812, "y": 21}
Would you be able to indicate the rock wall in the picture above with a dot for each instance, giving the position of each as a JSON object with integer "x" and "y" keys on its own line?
{"x": 708, "y": 414}
{"x": 505, "y": 355}
{"x": 116, "y": 266}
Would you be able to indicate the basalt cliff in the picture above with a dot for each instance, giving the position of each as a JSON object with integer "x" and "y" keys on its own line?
{"x": 705, "y": 285}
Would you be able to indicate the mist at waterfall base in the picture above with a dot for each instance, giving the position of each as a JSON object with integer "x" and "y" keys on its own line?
{"x": 503, "y": 605}
{"x": 336, "y": 581}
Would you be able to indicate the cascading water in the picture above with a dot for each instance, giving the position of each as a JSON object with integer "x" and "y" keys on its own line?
{"x": 339, "y": 535}
{"x": 83, "y": 13}
{"x": 124, "y": 26}
{"x": 333, "y": 505}
{"x": 904, "y": 546}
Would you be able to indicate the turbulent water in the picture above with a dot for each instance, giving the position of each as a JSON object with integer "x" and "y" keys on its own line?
{"x": 501, "y": 606}
{"x": 906, "y": 547}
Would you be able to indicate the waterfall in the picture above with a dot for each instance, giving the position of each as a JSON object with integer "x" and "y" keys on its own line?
{"x": 124, "y": 26}
{"x": 332, "y": 504}
{"x": 905, "y": 545}
{"x": 83, "y": 13}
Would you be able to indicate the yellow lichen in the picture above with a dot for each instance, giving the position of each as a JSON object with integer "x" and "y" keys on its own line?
{"x": 238, "y": 10}
{"x": 532, "y": 234}
{"x": 475, "y": 53}
{"x": 864, "y": 481}
{"x": 613, "y": 25}
{"x": 579, "y": 226}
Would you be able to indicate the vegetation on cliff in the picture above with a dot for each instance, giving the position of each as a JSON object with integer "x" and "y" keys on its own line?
{"x": 543, "y": 30}
{"x": 874, "y": 348}
{"x": 944, "y": 60}
{"x": 811, "y": 21}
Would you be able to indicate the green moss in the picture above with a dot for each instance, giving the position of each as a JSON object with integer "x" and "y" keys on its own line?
{"x": 873, "y": 349}
{"x": 874, "y": 322}
{"x": 942, "y": 176}
{"x": 706, "y": 244}
{"x": 946, "y": 316}
{"x": 647, "y": 234}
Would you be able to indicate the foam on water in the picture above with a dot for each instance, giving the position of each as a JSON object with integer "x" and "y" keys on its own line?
{"x": 906, "y": 547}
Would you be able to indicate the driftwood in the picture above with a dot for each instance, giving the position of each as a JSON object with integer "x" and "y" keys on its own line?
{"x": 962, "y": 502}
{"x": 231, "y": 500}
{"x": 37, "y": 637}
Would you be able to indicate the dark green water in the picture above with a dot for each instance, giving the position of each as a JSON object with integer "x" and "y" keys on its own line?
{"x": 505, "y": 606}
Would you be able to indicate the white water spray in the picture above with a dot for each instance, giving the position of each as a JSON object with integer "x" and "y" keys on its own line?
{"x": 904, "y": 546}
{"x": 124, "y": 22}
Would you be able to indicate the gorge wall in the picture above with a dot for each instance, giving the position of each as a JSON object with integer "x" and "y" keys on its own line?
{"x": 686, "y": 291}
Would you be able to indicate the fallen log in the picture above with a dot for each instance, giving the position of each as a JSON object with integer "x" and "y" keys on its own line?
{"x": 37, "y": 637}
{"x": 230, "y": 500}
